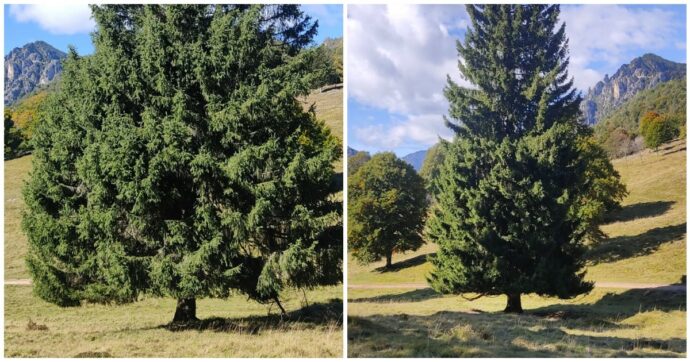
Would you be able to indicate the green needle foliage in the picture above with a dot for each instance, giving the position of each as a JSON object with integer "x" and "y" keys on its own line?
{"x": 14, "y": 141}
{"x": 176, "y": 161}
{"x": 514, "y": 204}
{"x": 386, "y": 209}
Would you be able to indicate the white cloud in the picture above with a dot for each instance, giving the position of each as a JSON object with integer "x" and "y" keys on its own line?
{"x": 399, "y": 56}
{"x": 606, "y": 34}
{"x": 423, "y": 130}
{"x": 56, "y": 18}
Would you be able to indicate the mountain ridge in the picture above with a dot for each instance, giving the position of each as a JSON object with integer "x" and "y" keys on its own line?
{"x": 644, "y": 72}
{"x": 30, "y": 67}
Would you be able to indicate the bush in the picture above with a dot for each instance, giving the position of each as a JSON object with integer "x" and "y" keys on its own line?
{"x": 619, "y": 143}
{"x": 658, "y": 129}
{"x": 14, "y": 141}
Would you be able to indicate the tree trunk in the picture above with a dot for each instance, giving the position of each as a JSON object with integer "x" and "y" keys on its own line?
{"x": 514, "y": 303}
{"x": 389, "y": 259}
{"x": 186, "y": 310}
{"x": 282, "y": 310}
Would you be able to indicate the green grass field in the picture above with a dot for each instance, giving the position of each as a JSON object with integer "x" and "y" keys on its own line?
{"x": 646, "y": 244}
{"x": 235, "y": 327}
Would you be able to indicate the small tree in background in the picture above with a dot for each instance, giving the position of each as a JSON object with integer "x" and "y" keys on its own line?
{"x": 176, "y": 161}
{"x": 13, "y": 137}
{"x": 356, "y": 161}
{"x": 386, "y": 209}
{"x": 432, "y": 165}
{"x": 658, "y": 129}
{"x": 513, "y": 209}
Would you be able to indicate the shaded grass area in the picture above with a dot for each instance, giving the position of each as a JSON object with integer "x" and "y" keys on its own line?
{"x": 605, "y": 323}
{"x": 227, "y": 328}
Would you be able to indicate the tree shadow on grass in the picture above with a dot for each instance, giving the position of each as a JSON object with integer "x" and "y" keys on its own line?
{"x": 313, "y": 316}
{"x": 621, "y": 305}
{"x": 407, "y": 263}
{"x": 640, "y": 210}
{"x": 624, "y": 247}
{"x": 554, "y": 331}
{"x": 416, "y": 295}
{"x": 669, "y": 150}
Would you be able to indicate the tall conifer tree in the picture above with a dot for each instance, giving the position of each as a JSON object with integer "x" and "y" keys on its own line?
{"x": 176, "y": 161}
{"x": 512, "y": 212}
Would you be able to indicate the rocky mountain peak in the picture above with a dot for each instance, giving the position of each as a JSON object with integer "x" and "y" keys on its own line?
{"x": 641, "y": 73}
{"x": 29, "y": 67}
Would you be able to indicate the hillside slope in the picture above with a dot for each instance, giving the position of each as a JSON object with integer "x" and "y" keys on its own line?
{"x": 329, "y": 108}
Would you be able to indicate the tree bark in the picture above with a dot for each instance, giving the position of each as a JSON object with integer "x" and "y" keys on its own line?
{"x": 282, "y": 310}
{"x": 514, "y": 303}
{"x": 389, "y": 260}
{"x": 186, "y": 311}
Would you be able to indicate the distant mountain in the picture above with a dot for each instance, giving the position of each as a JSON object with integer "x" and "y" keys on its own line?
{"x": 351, "y": 152}
{"x": 27, "y": 68}
{"x": 416, "y": 159}
{"x": 641, "y": 73}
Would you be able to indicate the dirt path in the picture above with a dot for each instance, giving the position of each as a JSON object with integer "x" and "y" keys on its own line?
{"x": 612, "y": 285}
{"x": 18, "y": 282}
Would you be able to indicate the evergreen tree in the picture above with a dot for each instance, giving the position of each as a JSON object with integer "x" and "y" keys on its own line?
{"x": 386, "y": 209}
{"x": 510, "y": 216}
{"x": 176, "y": 161}
{"x": 13, "y": 137}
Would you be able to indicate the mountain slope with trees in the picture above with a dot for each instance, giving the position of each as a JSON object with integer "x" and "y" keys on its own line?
{"x": 618, "y": 131}
{"x": 641, "y": 73}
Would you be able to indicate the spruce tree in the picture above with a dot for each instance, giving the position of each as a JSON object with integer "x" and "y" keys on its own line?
{"x": 512, "y": 213}
{"x": 386, "y": 209}
{"x": 176, "y": 161}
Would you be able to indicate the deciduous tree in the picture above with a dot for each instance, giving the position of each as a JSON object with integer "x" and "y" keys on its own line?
{"x": 386, "y": 209}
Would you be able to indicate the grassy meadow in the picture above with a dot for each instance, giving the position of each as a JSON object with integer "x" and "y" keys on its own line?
{"x": 235, "y": 327}
{"x": 389, "y": 317}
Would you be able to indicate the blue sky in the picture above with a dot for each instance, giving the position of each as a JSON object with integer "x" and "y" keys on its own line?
{"x": 399, "y": 57}
{"x": 62, "y": 25}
